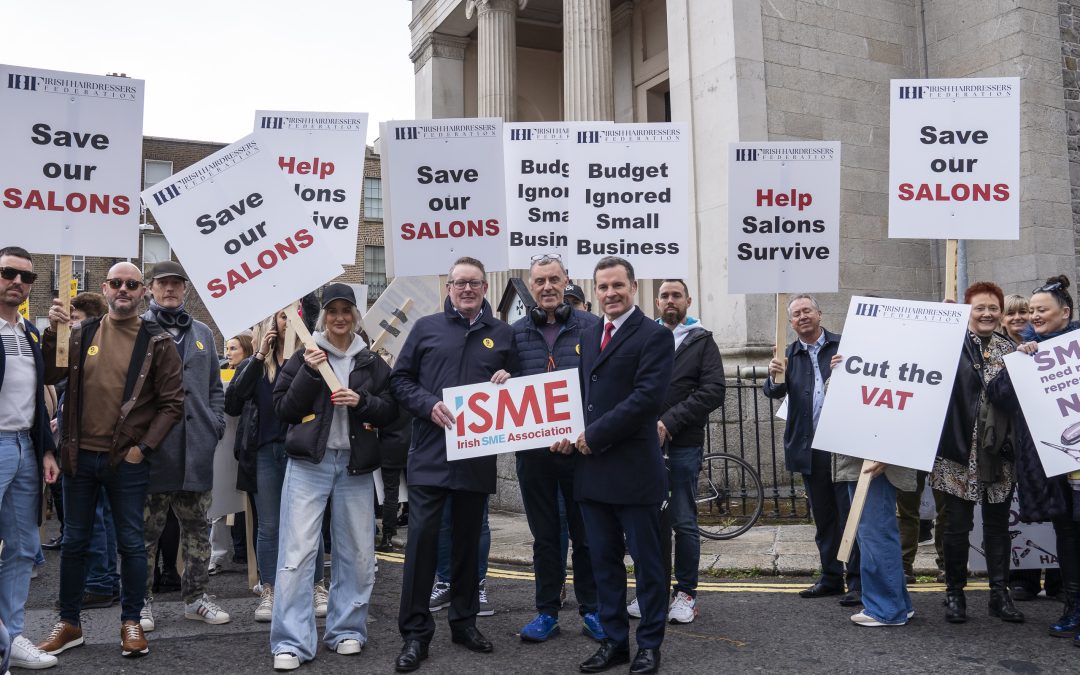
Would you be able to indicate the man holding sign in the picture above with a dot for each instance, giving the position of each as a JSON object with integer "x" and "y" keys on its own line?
{"x": 465, "y": 344}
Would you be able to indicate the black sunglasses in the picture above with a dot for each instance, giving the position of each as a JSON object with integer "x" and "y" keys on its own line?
{"x": 130, "y": 284}
{"x": 9, "y": 274}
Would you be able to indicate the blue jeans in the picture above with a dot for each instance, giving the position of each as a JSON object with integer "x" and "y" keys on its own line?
{"x": 442, "y": 571}
{"x": 19, "y": 495}
{"x": 684, "y": 464}
{"x": 884, "y": 591}
{"x": 352, "y": 529}
{"x": 271, "y": 463}
{"x": 101, "y": 575}
{"x": 125, "y": 488}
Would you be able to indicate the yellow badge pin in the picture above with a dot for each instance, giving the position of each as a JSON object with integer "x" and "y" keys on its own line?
{"x": 489, "y": 343}
{"x": 199, "y": 344}
{"x": 307, "y": 419}
{"x": 92, "y": 351}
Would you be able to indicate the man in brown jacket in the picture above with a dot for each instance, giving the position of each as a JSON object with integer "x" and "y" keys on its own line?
{"x": 125, "y": 392}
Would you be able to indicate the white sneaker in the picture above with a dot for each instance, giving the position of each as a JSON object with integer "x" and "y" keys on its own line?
{"x": 633, "y": 609}
{"x": 862, "y": 619}
{"x": 346, "y": 647}
{"x": 146, "y": 614}
{"x": 486, "y": 608}
{"x": 24, "y": 654}
{"x": 265, "y": 611}
{"x": 286, "y": 661}
{"x": 215, "y": 567}
{"x": 440, "y": 596}
{"x": 204, "y": 609}
{"x": 683, "y": 609}
{"x": 321, "y": 599}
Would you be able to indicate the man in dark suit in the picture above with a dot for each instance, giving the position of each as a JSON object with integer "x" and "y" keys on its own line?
{"x": 620, "y": 479}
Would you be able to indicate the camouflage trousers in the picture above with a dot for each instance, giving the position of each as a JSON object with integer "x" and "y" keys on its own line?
{"x": 190, "y": 509}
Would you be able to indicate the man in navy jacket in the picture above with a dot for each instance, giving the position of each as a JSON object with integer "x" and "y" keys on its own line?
{"x": 465, "y": 344}
{"x": 620, "y": 479}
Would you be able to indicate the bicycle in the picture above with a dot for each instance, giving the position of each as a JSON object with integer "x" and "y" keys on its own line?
{"x": 729, "y": 496}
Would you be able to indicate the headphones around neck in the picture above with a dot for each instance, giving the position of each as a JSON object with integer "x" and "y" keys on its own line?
{"x": 562, "y": 314}
{"x": 181, "y": 319}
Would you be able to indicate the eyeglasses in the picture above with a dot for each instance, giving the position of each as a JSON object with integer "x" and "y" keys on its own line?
{"x": 545, "y": 256}
{"x": 1048, "y": 288}
{"x": 460, "y": 284}
{"x": 9, "y": 274}
{"x": 130, "y": 284}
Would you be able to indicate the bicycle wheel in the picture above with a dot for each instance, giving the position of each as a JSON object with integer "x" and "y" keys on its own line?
{"x": 729, "y": 496}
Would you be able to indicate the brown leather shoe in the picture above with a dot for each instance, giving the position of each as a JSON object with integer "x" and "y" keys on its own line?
{"x": 132, "y": 641}
{"x": 63, "y": 636}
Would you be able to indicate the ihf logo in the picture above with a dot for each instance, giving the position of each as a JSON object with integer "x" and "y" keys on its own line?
{"x": 272, "y": 122}
{"x": 745, "y": 155}
{"x": 588, "y": 137}
{"x": 162, "y": 196}
{"x": 866, "y": 309}
{"x": 911, "y": 92}
{"x": 24, "y": 82}
{"x": 406, "y": 134}
{"x": 521, "y": 134}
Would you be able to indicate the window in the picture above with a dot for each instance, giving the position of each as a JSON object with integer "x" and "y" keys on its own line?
{"x": 374, "y": 271}
{"x": 78, "y": 271}
{"x": 155, "y": 171}
{"x": 155, "y": 249}
{"x": 373, "y": 199}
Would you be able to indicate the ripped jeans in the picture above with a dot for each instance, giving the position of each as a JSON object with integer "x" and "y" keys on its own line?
{"x": 352, "y": 529}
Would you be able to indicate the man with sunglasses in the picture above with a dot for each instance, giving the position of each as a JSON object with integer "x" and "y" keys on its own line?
{"x": 26, "y": 452}
{"x": 125, "y": 392}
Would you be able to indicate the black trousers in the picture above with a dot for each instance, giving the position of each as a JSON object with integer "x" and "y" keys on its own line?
{"x": 541, "y": 477}
{"x": 1067, "y": 531}
{"x": 391, "y": 483}
{"x": 959, "y": 520}
{"x": 421, "y": 557}
{"x": 829, "y": 504}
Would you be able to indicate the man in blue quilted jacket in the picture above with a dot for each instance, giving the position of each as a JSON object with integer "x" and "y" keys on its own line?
{"x": 549, "y": 338}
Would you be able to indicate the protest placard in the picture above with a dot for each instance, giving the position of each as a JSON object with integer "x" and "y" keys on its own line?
{"x": 1034, "y": 545}
{"x": 72, "y": 155}
{"x": 631, "y": 198}
{"x": 525, "y": 413}
{"x": 1047, "y": 385}
{"x": 447, "y": 198}
{"x": 954, "y": 158}
{"x": 887, "y": 399}
{"x": 537, "y": 189}
{"x": 241, "y": 234}
{"x": 322, "y": 154}
{"x": 393, "y": 315}
{"x": 784, "y": 217}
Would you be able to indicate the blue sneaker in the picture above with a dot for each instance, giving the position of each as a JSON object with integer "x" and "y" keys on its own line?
{"x": 591, "y": 628}
{"x": 540, "y": 629}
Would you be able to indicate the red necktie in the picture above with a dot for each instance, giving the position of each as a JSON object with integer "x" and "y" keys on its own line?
{"x": 608, "y": 330}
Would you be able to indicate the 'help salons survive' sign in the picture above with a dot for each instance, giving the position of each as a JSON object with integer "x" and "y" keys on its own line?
{"x": 523, "y": 414}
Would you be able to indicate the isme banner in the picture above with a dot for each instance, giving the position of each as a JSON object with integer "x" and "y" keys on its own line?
{"x": 524, "y": 414}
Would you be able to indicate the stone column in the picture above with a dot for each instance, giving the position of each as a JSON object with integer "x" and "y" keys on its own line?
{"x": 439, "y": 63}
{"x": 496, "y": 82}
{"x": 587, "y": 60}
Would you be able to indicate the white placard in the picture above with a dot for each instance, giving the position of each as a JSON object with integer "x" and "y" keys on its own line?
{"x": 1034, "y": 545}
{"x": 392, "y": 317}
{"x": 242, "y": 235}
{"x": 322, "y": 154}
{"x": 631, "y": 198}
{"x": 1048, "y": 387}
{"x": 537, "y": 189}
{"x": 524, "y": 414}
{"x": 784, "y": 217}
{"x": 72, "y": 155}
{"x": 887, "y": 400}
{"x": 954, "y": 158}
{"x": 447, "y": 195}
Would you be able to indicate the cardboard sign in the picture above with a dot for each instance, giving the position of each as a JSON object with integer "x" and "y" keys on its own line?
{"x": 887, "y": 400}
{"x": 1047, "y": 384}
{"x": 954, "y": 158}
{"x": 322, "y": 154}
{"x": 525, "y": 413}
{"x": 631, "y": 198}
{"x": 72, "y": 154}
{"x": 784, "y": 216}
{"x": 1034, "y": 545}
{"x": 447, "y": 195}
{"x": 392, "y": 317}
{"x": 242, "y": 235}
{"x": 537, "y": 189}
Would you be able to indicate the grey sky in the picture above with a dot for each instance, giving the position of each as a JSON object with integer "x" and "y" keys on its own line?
{"x": 209, "y": 64}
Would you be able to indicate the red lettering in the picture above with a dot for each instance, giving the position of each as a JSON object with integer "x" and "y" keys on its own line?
{"x": 517, "y": 415}
{"x": 903, "y": 396}
{"x": 867, "y": 398}
{"x": 216, "y": 288}
{"x": 552, "y": 400}
{"x": 474, "y": 405}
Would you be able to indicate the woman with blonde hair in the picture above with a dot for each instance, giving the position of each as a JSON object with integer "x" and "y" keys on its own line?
{"x": 1015, "y": 318}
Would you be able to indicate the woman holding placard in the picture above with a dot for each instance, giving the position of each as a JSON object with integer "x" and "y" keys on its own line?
{"x": 1041, "y": 498}
{"x": 974, "y": 461}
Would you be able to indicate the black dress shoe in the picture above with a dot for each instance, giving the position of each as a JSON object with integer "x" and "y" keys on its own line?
{"x": 412, "y": 653}
{"x": 97, "y": 600}
{"x": 819, "y": 590}
{"x": 53, "y": 544}
{"x": 609, "y": 655}
{"x": 473, "y": 640}
{"x": 851, "y": 599}
{"x": 646, "y": 661}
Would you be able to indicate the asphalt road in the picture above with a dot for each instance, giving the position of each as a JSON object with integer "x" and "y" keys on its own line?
{"x": 745, "y": 625}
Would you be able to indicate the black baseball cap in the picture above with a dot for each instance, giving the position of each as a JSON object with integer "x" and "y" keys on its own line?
{"x": 573, "y": 290}
{"x": 338, "y": 292}
{"x": 168, "y": 268}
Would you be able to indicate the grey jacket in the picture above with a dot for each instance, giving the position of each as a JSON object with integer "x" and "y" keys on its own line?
{"x": 847, "y": 468}
{"x": 185, "y": 460}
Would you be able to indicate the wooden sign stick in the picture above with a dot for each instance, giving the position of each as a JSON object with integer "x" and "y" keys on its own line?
{"x": 405, "y": 307}
{"x": 855, "y": 514}
{"x": 781, "y": 333}
{"x": 249, "y": 531}
{"x": 297, "y": 324}
{"x": 951, "y": 270}
{"x": 63, "y": 331}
